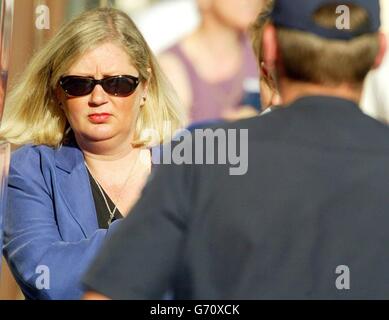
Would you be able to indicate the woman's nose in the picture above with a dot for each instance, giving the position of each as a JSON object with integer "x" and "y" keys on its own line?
{"x": 98, "y": 96}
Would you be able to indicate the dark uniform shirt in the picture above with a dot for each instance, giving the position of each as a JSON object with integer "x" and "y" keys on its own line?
{"x": 309, "y": 220}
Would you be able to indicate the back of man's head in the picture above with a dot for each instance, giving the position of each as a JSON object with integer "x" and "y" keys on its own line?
{"x": 327, "y": 42}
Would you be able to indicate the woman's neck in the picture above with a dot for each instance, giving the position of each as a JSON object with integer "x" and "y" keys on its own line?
{"x": 120, "y": 169}
{"x": 215, "y": 52}
{"x": 218, "y": 37}
{"x": 106, "y": 154}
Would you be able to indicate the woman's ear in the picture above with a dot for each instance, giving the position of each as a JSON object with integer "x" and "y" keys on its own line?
{"x": 59, "y": 97}
{"x": 146, "y": 88}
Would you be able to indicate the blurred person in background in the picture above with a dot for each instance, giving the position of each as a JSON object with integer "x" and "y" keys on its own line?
{"x": 213, "y": 69}
{"x": 269, "y": 97}
{"x": 156, "y": 23}
{"x": 78, "y": 115}
{"x": 309, "y": 218}
{"x": 375, "y": 99}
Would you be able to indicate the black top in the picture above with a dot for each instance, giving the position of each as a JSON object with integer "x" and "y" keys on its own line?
{"x": 101, "y": 208}
{"x": 315, "y": 198}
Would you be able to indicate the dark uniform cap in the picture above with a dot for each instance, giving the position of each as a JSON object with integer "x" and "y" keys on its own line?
{"x": 298, "y": 14}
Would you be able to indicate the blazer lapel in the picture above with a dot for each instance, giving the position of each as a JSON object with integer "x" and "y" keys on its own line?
{"x": 74, "y": 187}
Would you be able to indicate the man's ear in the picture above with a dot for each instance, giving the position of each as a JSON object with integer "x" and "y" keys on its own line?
{"x": 263, "y": 70}
{"x": 383, "y": 45}
{"x": 269, "y": 47}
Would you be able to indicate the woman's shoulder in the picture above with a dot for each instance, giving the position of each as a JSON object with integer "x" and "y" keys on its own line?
{"x": 31, "y": 155}
{"x": 31, "y": 150}
{"x": 44, "y": 158}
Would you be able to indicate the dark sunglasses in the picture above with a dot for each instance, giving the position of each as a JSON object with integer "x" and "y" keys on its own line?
{"x": 120, "y": 86}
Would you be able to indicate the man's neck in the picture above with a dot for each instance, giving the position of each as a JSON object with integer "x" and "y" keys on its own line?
{"x": 290, "y": 91}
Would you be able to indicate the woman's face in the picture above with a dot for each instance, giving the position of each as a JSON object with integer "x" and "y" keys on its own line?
{"x": 238, "y": 14}
{"x": 100, "y": 116}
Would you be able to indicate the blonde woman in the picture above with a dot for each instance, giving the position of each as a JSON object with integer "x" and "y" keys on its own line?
{"x": 79, "y": 113}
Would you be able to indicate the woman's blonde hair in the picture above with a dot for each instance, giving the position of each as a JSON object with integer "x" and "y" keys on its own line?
{"x": 32, "y": 114}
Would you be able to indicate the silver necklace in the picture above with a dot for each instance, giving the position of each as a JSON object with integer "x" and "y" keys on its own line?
{"x": 111, "y": 212}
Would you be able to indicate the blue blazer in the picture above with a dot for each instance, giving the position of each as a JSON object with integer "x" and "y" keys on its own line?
{"x": 51, "y": 231}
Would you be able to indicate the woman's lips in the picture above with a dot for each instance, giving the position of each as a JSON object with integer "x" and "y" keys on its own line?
{"x": 99, "y": 117}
